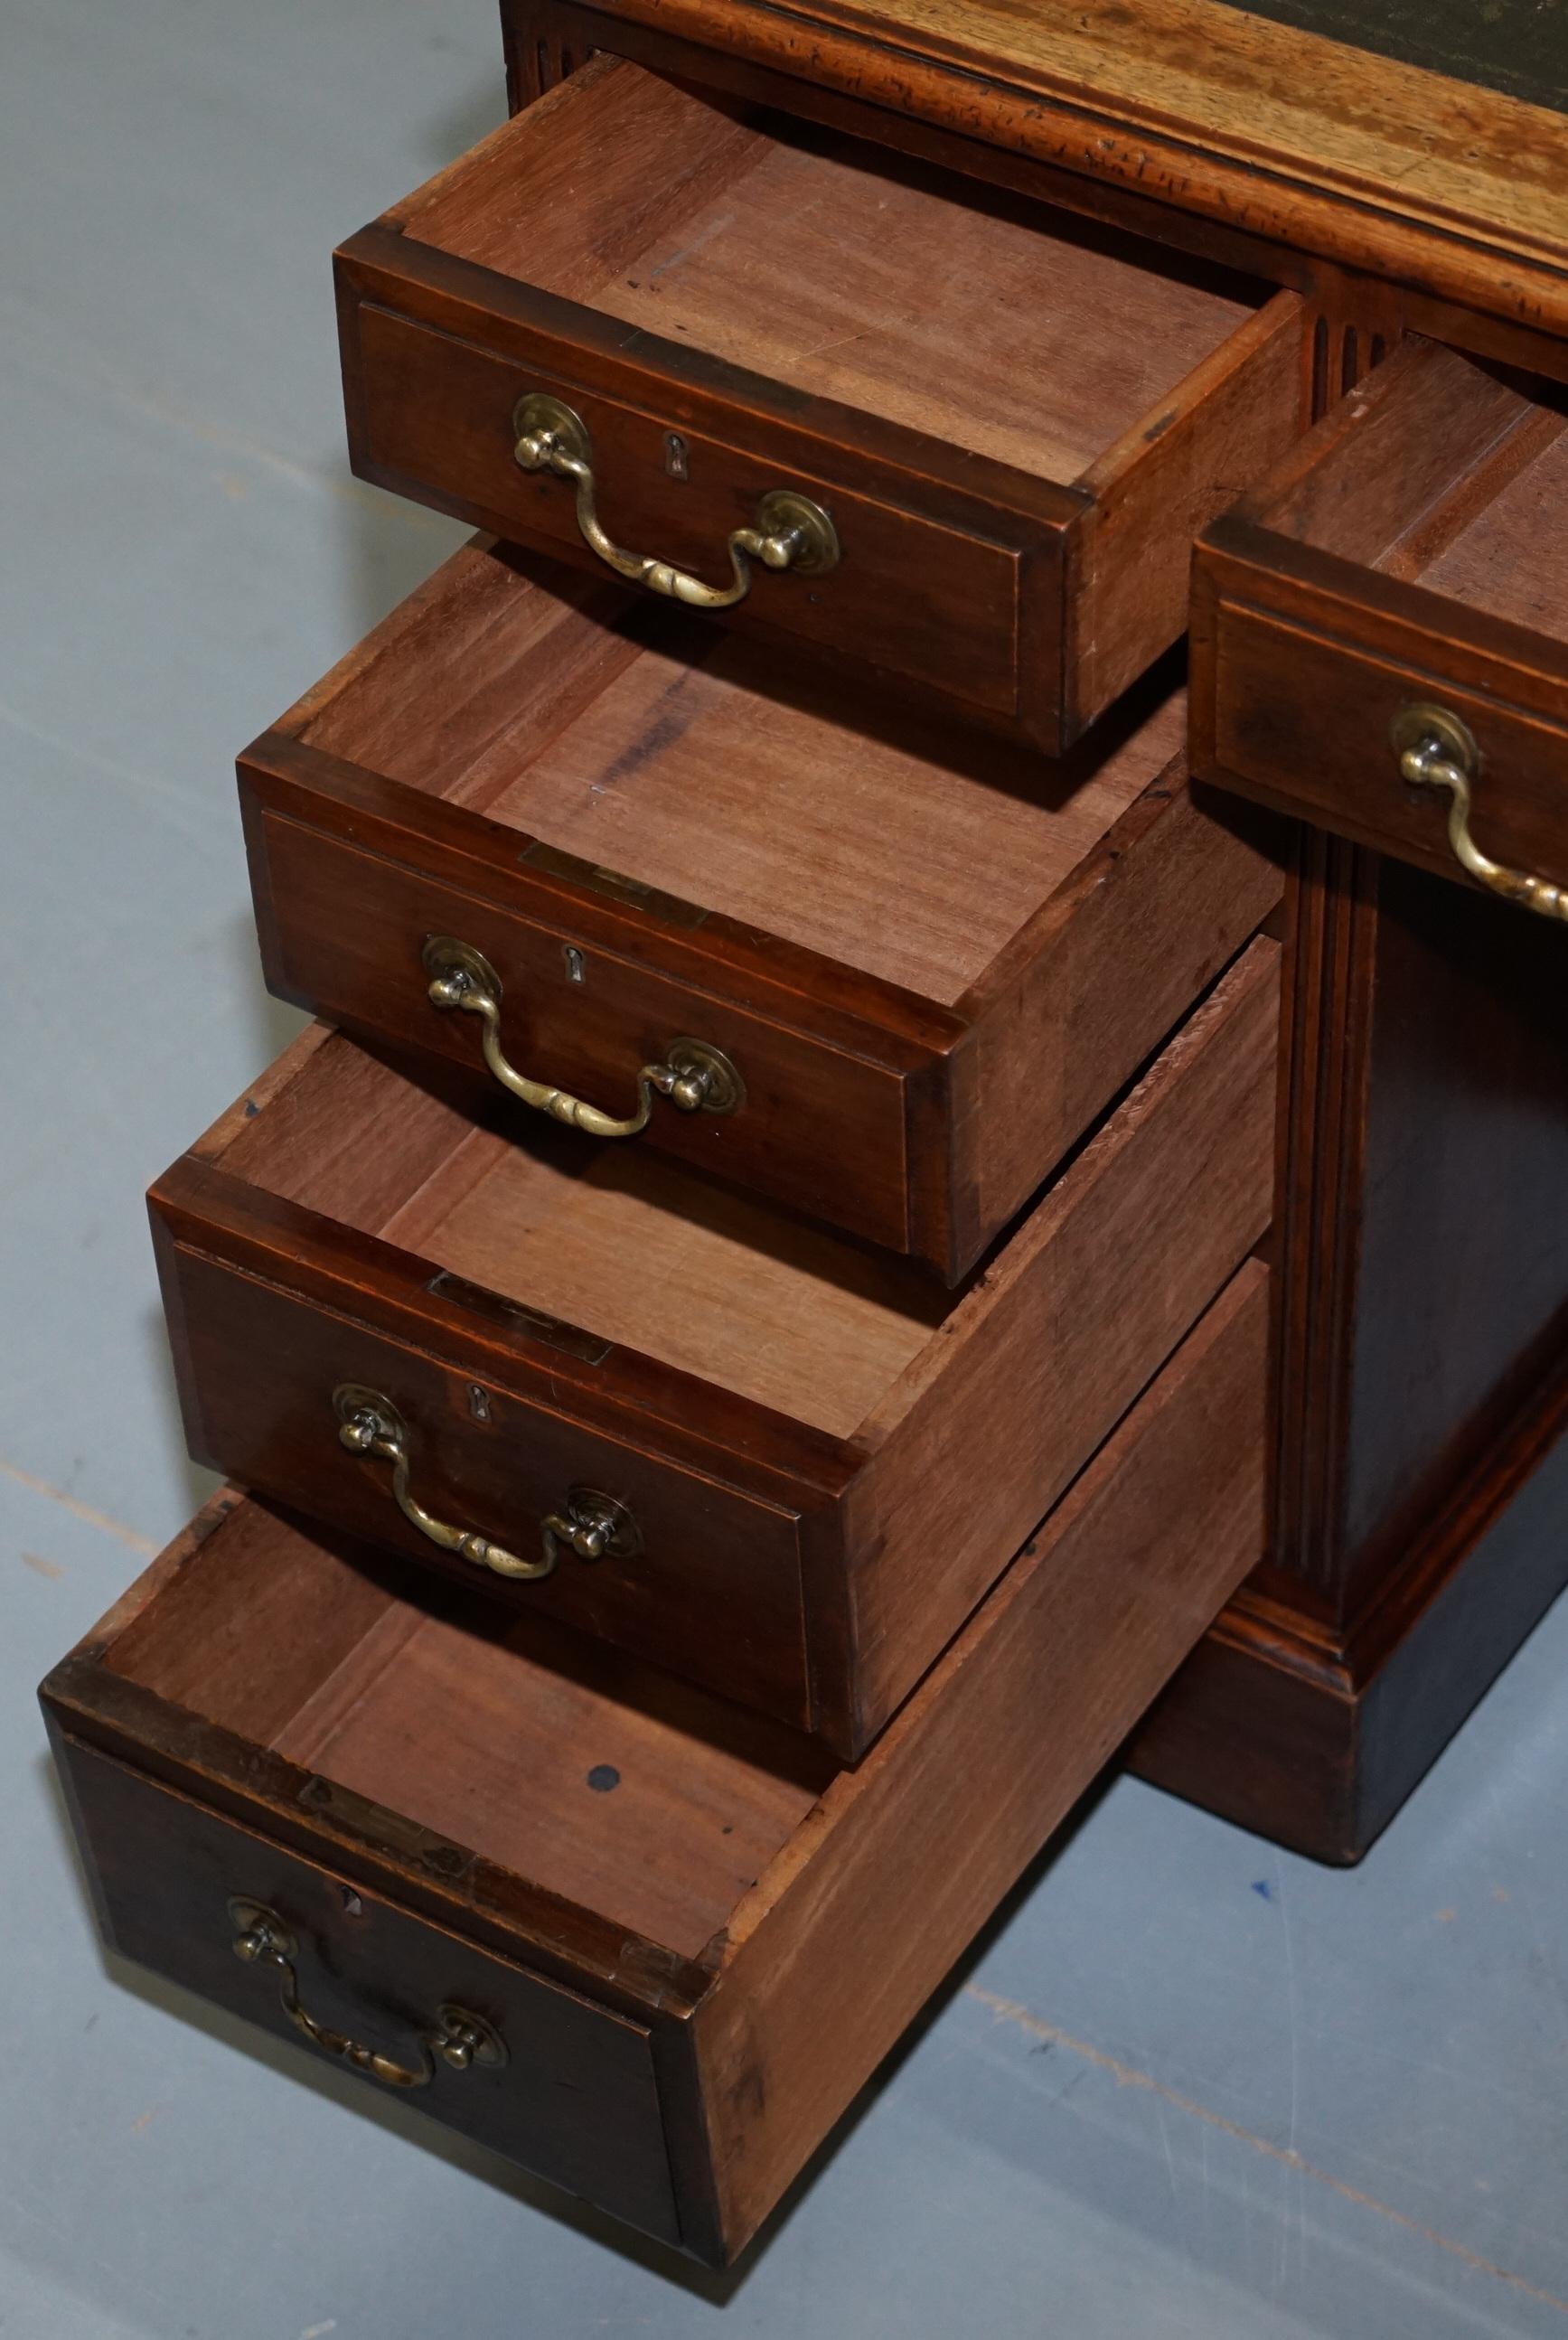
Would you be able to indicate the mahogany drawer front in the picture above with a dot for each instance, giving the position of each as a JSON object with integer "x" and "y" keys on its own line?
{"x": 577, "y": 2098}
{"x": 691, "y": 1938}
{"x": 924, "y": 593}
{"x": 930, "y": 961}
{"x": 1398, "y": 590}
{"x": 1012, "y": 423}
{"x": 789, "y": 1430}
{"x": 823, "y": 1126}
{"x": 264, "y": 1362}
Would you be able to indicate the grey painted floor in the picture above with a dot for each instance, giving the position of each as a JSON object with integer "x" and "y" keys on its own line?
{"x": 1189, "y": 2087}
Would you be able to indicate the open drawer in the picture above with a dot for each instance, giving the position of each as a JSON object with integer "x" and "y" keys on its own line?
{"x": 1380, "y": 633}
{"x": 922, "y": 963}
{"x": 603, "y": 1925}
{"x": 780, "y": 1465}
{"x": 940, "y": 434}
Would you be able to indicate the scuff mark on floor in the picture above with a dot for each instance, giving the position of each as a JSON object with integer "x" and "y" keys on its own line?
{"x": 1128, "y": 2075}
{"x": 80, "y": 1510}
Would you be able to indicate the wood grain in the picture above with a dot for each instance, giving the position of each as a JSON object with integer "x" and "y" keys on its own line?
{"x": 658, "y": 1828}
{"x": 242, "y": 1614}
{"x": 1094, "y": 981}
{"x": 792, "y": 815}
{"x": 1510, "y": 558}
{"x": 954, "y": 574}
{"x": 1151, "y": 491}
{"x": 716, "y": 1485}
{"x": 811, "y": 260}
{"x": 1242, "y": 122}
{"x": 628, "y": 1247}
{"x": 716, "y": 773}
{"x": 1215, "y": 179}
{"x": 1390, "y": 456}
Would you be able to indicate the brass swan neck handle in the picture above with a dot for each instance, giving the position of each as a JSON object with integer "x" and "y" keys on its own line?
{"x": 588, "y": 1524}
{"x": 460, "y": 2041}
{"x": 789, "y": 530}
{"x": 369, "y": 1423}
{"x": 694, "y": 1075}
{"x": 1438, "y": 750}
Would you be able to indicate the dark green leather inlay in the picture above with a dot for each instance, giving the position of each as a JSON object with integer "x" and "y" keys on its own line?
{"x": 1517, "y": 47}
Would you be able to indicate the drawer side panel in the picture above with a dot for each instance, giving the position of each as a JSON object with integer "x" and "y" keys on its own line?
{"x": 1152, "y": 915}
{"x": 1219, "y": 430}
{"x": 1072, "y": 1320}
{"x": 913, "y": 1851}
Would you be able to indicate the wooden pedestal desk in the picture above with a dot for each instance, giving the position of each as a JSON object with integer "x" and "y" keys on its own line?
{"x": 899, "y": 1178}
{"x": 1402, "y": 182}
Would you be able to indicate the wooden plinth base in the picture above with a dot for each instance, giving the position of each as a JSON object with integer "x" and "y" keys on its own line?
{"x": 1316, "y": 1740}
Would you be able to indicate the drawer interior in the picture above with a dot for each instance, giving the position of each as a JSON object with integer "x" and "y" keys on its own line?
{"x": 1510, "y": 557}
{"x": 714, "y": 772}
{"x": 1441, "y": 474}
{"x": 598, "y": 1780}
{"x": 832, "y": 265}
{"x": 625, "y": 1245}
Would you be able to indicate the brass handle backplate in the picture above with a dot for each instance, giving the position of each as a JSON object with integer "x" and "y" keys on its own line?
{"x": 789, "y": 530}
{"x": 694, "y": 1075}
{"x": 591, "y": 1525}
{"x": 1436, "y": 749}
{"x": 460, "y": 2040}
